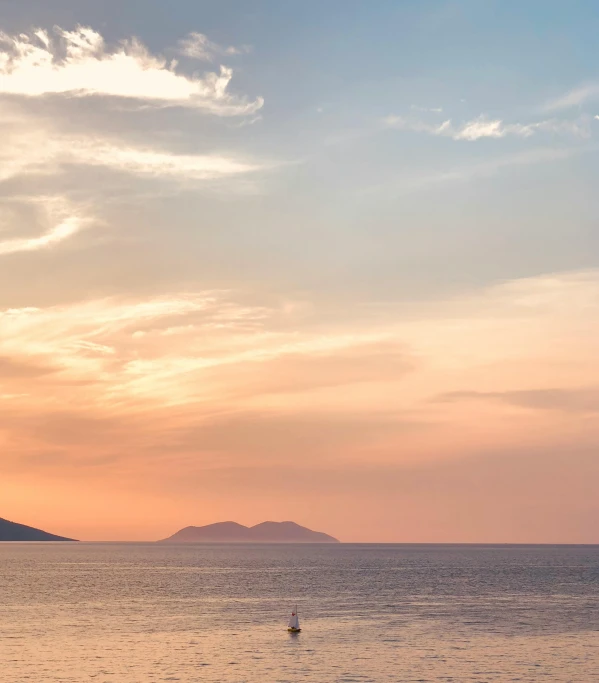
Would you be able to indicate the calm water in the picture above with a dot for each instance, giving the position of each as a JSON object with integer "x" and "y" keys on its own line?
{"x": 124, "y": 613}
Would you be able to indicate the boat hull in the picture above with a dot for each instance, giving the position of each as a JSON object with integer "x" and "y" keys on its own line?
{"x": 294, "y": 630}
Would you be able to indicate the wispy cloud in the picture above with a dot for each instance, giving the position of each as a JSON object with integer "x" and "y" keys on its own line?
{"x": 202, "y": 349}
{"x": 33, "y": 146}
{"x": 77, "y": 63}
{"x": 483, "y": 127}
{"x": 577, "y": 400}
{"x": 153, "y": 162}
{"x": 57, "y": 234}
{"x": 64, "y": 222}
{"x": 207, "y": 346}
{"x": 574, "y": 98}
{"x": 401, "y": 123}
{"x": 198, "y": 46}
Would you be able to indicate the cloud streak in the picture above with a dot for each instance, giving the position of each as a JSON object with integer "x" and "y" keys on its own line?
{"x": 578, "y": 400}
{"x": 150, "y": 162}
{"x": 483, "y": 127}
{"x": 34, "y": 146}
{"x": 575, "y": 98}
{"x": 57, "y": 234}
{"x": 78, "y": 64}
{"x": 63, "y": 219}
{"x": 205, "y": 345}
{"x": 198, "y": 46}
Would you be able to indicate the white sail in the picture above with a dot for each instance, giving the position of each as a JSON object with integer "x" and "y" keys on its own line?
{"x": 294, "y": 620}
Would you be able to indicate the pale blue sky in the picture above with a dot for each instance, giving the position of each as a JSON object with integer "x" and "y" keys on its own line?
{"x": 352, "y": 204}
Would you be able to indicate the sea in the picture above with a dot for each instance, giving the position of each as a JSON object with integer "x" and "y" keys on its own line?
{"x": 144, "y": 613}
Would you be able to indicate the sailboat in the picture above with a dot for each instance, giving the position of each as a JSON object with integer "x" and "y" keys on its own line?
{"x": 293, "y": 625}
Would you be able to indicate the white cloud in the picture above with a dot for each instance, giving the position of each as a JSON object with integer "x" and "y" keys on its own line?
{"x": 57, "y": 234}
{"x": 472, "y": 130}
{"x": 152, "y": 162}
{"x": 78, "y": 63}
{"x": 64, "y": 221}
{"x": 574, "y": 98}
{"x": 33, "y": 146}
{"x": 198, "y": 46}
{"x": 482, "y": 127}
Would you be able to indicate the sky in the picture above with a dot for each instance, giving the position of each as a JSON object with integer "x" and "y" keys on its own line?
{"x": 330, "y": 262}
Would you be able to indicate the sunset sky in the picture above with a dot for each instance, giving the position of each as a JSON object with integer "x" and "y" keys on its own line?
{"x": 335, "y": 262}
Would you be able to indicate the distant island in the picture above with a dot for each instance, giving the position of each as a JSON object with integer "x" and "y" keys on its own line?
{"x": 11, "y": 531}
{"x": 267, "y": 532}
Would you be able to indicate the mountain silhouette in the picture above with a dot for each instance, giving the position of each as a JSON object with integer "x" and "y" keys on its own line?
{"x": 232, "y": 532}
{"x": 11, "y": 531}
